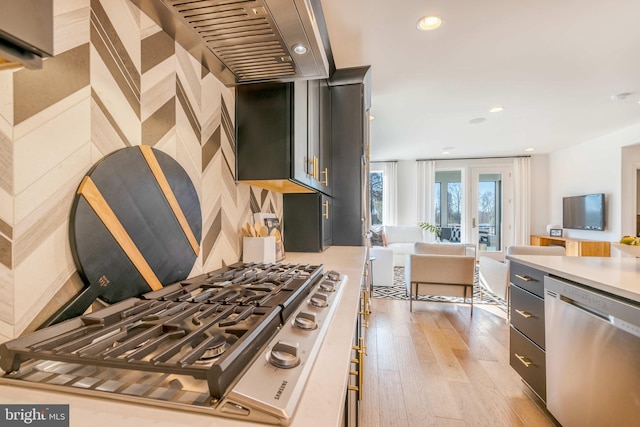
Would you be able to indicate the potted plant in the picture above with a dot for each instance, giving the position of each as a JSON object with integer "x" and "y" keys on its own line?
{"x": 430, "y": 228}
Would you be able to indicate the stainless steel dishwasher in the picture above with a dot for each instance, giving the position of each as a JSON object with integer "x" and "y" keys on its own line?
{"x": 592, "y": 356}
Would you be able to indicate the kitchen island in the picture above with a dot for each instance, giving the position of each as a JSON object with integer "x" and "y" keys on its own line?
{"x": 575, "y": 335}
{"x": 323, "y": 398}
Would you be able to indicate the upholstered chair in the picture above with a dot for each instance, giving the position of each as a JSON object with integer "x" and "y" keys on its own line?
{"x": 439, "y": 270}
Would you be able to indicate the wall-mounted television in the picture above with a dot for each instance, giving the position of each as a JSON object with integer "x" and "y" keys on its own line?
{"x": 586, "y": 212}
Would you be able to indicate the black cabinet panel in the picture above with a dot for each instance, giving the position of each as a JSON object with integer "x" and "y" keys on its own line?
{"x": 347, "y": 145}
{"x": 306, "y": 222}
{"x": 529, "y": 361}
{"x": 527, "y": 314}
{"x": 527, "y": 278}
{"x": 264, "y": 131}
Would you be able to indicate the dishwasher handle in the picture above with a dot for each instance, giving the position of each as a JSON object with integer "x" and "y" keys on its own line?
{"x": 584, "y": 307}
{"x": 622, "y": 314}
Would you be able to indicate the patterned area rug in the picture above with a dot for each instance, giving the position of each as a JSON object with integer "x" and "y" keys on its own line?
{"x": 399, "y": 291}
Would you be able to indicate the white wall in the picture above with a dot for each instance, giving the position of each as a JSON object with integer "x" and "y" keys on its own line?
{"x": 596, "y": 166}
{"x": 540, "y": 209}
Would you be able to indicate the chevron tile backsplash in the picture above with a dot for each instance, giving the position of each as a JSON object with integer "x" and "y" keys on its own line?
{"x": 116, "y": 80}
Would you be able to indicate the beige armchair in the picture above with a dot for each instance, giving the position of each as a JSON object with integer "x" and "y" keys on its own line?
{"x": 439, "y": 269}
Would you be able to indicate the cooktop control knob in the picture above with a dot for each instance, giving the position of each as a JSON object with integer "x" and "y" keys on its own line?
{"x": 327, "y": 286}
{"x": 333, "y": 275}
{"x": 305, "y": 320}
{"x": 284, "y": 355}
{"x": 319, "y": 299}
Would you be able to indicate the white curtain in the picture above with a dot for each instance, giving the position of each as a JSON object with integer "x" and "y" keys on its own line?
{"x": 390, "y": 193}
{"x": 521, "y": 200}
{"x": 389, "y": 190}
{"x": 425, "y": 196}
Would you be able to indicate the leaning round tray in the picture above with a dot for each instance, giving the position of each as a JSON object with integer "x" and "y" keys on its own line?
{"x": 628, "y": 249}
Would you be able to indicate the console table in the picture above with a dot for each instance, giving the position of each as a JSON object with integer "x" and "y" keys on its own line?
{"x": 574, "y": 247}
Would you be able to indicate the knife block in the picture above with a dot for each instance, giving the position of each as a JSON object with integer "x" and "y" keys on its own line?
{"x": 259, "y": 249}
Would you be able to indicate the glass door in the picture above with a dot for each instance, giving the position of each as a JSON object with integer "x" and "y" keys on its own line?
{"x": 489, "y": 219}
{"x": 449, "y": 204}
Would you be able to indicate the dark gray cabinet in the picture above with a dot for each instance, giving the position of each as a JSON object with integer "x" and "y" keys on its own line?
{"x": 309, "y": 140}
{"x": 319, "y": 137}
{"x": 281, "y": 139}
{"x": 307, "y": 222}
{"x": 350, "y": 104}
{"x": 527, "y": 331}
{"x": 268, "y": 151}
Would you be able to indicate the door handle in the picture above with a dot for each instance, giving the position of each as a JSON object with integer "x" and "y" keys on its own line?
{"x": 473, "y": 222}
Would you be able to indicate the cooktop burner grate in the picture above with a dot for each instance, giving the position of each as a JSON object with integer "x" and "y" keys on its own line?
{"x": 237, "y": 342}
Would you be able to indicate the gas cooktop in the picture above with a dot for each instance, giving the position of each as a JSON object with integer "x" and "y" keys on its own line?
{"x": 238, "y": 342}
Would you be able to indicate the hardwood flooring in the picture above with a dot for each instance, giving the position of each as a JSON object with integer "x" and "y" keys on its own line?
{"x": 438, "y": 366}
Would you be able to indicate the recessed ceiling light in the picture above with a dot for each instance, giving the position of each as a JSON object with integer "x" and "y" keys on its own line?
{"x": 428, "y": 23}
{"x": 530, "y": 149}
{"x": 620, "y": 96}
{"x": 496, "y": 109}
{"x": 445, "y": 152}
{"x": 371, "y": 117}
{"x": 300, "y": 49}
{"x": 477, "y": 120}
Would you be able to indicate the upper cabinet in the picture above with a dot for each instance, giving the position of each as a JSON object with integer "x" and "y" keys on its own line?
{"x": 350, "y": 105}
{"x": 283, "y": 136}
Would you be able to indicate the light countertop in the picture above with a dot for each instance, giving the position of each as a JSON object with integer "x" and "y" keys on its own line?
{"x": 617, "y": 276}
{"x": 323, "y": 399}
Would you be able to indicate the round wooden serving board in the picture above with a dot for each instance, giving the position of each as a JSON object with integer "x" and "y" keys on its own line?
{"x": 135, "y": 226}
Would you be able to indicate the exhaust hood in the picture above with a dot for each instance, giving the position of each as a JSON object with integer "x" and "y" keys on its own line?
{"x": 26, "y": 33}
{"x": 249, "y": 41}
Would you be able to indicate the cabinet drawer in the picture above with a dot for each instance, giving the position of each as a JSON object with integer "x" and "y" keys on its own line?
{"x": 529, "y": 362}
{"x": 527, "y": 278}
{"x": 527, "y": 314}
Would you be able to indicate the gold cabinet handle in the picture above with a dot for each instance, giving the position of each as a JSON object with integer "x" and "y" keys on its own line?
{"x": 353, "y": 388}
{"x": 311, "y": 161}
{"x": 525, "y": 278}
{"x": 524, "y": 360}
{"x": 314, "y": 168}
{"x": 326, "y": 176}
{"x": 325, "y": 205}
{"x": 524, "y": 314}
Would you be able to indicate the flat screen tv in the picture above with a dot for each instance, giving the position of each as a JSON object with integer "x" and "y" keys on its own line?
{"x": 584, "y": 212}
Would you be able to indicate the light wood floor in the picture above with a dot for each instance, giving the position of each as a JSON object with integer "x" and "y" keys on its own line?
{"x": 439, "y": 367}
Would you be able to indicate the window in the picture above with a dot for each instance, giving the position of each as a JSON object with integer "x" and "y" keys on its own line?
{"x": 382, "y": 193}
{"x": 376, "y": 197}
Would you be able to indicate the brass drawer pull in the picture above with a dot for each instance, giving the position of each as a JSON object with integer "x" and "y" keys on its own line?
{"x": 523, "y": 360}
{"x": 325, "y": 205}
{"x": 524, "y": 314}
{"x": 525, "y": 278}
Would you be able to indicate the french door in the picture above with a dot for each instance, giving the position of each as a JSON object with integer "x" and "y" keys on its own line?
{"x": 490, "y": 215}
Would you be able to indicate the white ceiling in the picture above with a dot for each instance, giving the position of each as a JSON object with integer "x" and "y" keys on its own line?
{"x": 552, "y": 64}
